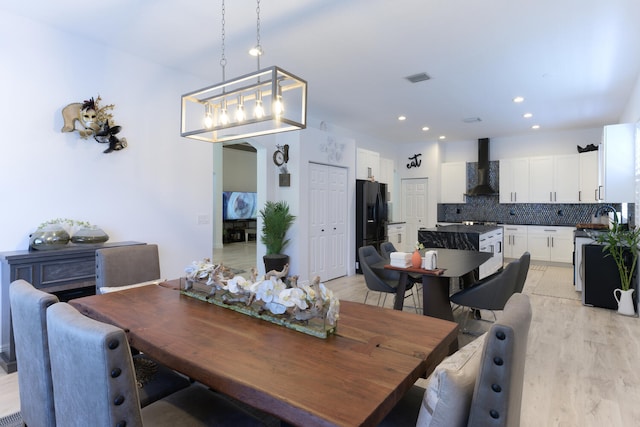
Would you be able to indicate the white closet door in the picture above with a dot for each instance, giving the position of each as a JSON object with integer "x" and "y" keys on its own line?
{"x": 328, "y": 222}
{"x": 414, "y": 209}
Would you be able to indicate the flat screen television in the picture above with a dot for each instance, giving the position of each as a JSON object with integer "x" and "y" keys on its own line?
{"x": 239, "y": 205}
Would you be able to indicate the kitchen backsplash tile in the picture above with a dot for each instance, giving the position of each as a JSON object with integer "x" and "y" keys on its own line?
{"x": 488, "y": 208}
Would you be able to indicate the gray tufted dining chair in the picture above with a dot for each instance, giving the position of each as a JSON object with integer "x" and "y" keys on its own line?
{"x": 123, "y": 266}
{"x": 94, "y": 382}
{"x": 28, "y": 312}
{"x": 479, "y": 385}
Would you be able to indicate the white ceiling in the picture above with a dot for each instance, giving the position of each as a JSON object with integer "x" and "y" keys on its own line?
{"x": 574, "y": 61}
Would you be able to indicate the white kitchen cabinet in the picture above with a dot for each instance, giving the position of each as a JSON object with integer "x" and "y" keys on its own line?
{"x": 550, "y": 243}
{"x": 397, "y": 234}
{"x": 514, "y": 180}
{"x": 491, "y": 242}
{"x": 616, "y": 164}
{"x": 368, "y": 164}
{"x": 515, "y": 240}
{"x": 588, "y": 177}
{"x": 453, "y": 182}
{"x": 386, "y": 174}
{"x": 554, "y": 179}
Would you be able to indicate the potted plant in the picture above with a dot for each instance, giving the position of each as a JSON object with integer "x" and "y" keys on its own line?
{"x": 622, "y": 243}
{"x": 276, "y": 221}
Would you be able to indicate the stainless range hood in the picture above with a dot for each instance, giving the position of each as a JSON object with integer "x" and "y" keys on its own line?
{"x": 482, "y": 187}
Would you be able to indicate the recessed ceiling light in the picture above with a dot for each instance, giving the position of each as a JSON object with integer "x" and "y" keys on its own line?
{"x": 425, "y": 128}
{"x": 527, "y": 115}
{"x": 442, "y": 137}
{"x": 535, "y": 127}
{"x": 518, "y": 99}
{"x": 401, "y": 118}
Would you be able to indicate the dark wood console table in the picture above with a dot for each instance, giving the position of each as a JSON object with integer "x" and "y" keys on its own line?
{"x": 68, "y": 273}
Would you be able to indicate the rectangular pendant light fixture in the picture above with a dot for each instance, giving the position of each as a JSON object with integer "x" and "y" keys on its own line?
{"x": 264, "y": 102}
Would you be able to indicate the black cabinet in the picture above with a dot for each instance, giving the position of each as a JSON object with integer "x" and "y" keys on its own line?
{"x": 68, "y": 273}
{"x": 601, "y": 278}
{"x": 239, "y": 230}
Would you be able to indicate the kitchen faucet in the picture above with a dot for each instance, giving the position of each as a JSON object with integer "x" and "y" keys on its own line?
{"x": 607, "y": 208}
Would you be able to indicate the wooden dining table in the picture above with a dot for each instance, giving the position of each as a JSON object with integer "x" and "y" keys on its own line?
{"x": 352, "y": 378}
{"x": 451, "y": 263}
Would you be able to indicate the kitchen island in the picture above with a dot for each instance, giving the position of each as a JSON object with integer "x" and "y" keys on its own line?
{"x": 483, "y": 238}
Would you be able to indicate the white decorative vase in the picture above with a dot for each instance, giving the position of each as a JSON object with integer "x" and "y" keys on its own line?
{"x": 625, "y": 302}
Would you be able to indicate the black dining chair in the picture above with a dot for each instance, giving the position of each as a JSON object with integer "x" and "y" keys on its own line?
{"x": 380, "y": 280}
{"x": 525, "y": 262}
{"x": 386, "y": 248}
{"x": 491, "y": 294}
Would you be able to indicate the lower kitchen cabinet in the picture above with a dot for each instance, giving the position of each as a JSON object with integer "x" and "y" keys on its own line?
{"x": 550, "y": 243}
{"x": 396, "y": 234}
{"x": 515, "y": 240}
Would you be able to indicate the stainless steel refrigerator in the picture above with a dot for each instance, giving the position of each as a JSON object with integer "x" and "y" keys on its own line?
{"x": 371, "y": 215}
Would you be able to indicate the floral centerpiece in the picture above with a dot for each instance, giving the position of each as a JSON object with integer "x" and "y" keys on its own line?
{"x": 307, "y": 307}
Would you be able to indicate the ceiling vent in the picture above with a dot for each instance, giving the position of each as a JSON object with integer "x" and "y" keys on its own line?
{"x": 420, "y": 77}
{"x": 472, "y": 119}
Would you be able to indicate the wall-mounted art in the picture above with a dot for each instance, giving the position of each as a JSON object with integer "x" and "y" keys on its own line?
{"x": 90, "y": 119}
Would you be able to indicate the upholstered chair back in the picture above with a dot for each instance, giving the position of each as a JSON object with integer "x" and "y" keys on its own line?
{"x": 92, "y": 369}
{"x": 28, "y": 311}
{"x": 497, "y": 397}
{"x": 126, "y": 265}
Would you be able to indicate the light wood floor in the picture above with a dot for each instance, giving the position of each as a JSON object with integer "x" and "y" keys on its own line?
{"x": 582, "y": 362}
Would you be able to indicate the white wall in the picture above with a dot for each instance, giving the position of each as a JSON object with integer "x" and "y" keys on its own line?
{"x": 153, "y": 191}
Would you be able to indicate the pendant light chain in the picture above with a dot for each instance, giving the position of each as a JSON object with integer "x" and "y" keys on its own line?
{"x": 258, "y": 47}
{"x": 223, "y": 59}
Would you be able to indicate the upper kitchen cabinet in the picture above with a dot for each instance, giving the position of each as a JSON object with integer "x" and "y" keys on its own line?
{"x": 554, "y": 179}
{"x": 588, "y": 177}
{"x": 514, "y": 180}
{"x": 368, "y": 164}
{"x": 386, "y": 173}
{"x": 616, "y": 164}
{"x": 453, "y": 182}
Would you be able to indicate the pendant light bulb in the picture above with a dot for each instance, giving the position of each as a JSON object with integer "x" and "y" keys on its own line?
{"x": 240, "y": 114}
{"x": 258, "y": 111}
{"x": 208, "y": 117}
{"x": 278, "y": 104}
{"x": 224, "y": 116}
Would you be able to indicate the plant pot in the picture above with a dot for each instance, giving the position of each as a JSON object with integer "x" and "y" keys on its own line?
{"x": 275, "y": 262}
{"x": 625, "y": 302}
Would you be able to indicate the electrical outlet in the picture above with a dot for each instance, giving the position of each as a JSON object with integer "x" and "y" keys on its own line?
{"x": 203, "y": 219}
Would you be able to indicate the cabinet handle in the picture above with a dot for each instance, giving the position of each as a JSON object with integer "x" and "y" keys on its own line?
{"x": 579, "y": 195}
{"x": 399, "y": 238}
{"x": 547, "y": 242}
{"x": 599, "y": 192}
{"x": 515, "y": 196}
{"x": 552, "y": 242}
{"x": 595, "y": 194}
{"x": 550, "y": 196}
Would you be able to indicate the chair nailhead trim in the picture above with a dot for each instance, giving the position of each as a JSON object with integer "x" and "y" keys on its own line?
{"x": 118, "y": 400}
{"x": 498, "y": 361}
{"x": 113, "y": 344}
{"x": 494, "y": 414}
{"x": 115, "y": 372}
{"x": 496, "y": 388}
{"x": 500, "y": 335}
